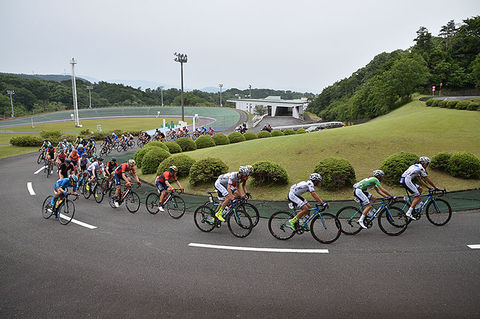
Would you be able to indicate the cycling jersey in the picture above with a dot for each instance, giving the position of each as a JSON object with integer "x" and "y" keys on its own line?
{"x": 80, "y": 151}
{"x": 166, "y": 176}
{"x": 94, "y": 166}
{"x": 124, "y": 168}
{"x": 64, "y": 168}
{"x": 62, "y": 156}
{"x": 415, "y": 171}
{"x": 302, "y": 187}
{"x": 367, "y": 183}
{"x": 84, "y": 163}
{"x": 111, "y": 166}
{"x": 64, "y": 183}
{"x": 228, "y": 179}
{"x": 74, "y": 157}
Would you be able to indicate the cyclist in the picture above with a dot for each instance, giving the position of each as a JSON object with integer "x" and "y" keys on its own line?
{"x": 50, "y": 155}
{"x": 74, "y": 157}
{"x": 84, "y": 163}
{"x": 80, "y": 150}
{"x": 78, "y": 140}
{"x": 61, "y": 156}
{"x": 416, "y": 171}
{"x": 227, "y": 192}
{"x": 163, "y": 184}
{"x": 360, "y": 192}
{"x": 65, "y": 168}
{"x": 120, "y": 173}
{"x": 45, "y": 144}
{"x": 295, "y": 196}
{"x": 114, "y": 137}
{"x": 110, "y": 169}
{"x": 60, "y": 189}
{"x": 92, "y": 171}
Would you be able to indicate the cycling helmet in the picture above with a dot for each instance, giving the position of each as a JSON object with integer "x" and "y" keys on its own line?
{"x": 315, "y": 177}
{"x": 378, "y": 173}
{"x": 73, "y": 180}
{"x": 80, "y": 145}
{"x": 131, "y": 162}
{"x": 244, "y": 170}
{"x": 250, "y": 168}
{"x": 424, "y": 159}
{"x": 100, "y": 159}
{"x": 173, "y": 168}
{"x": 113, "y": 159}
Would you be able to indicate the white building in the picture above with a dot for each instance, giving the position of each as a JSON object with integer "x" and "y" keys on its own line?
{"x": 275, "y": 106}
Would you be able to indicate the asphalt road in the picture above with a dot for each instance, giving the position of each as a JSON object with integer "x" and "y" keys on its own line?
{"x": 141, "y": 266}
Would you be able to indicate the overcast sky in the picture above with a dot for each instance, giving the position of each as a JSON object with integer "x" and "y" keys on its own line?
{"x": 301, "y": 45}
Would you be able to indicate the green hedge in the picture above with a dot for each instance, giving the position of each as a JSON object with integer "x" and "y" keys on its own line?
{"x": 250, "y": 136}
{"x": 158, "y": 144}
{"x": 443, "y": 103}
{"x": 220, "y": 139}
{"x": 435, "y": 102}
{"x": 264, "y": 134}
{"x": 473, "y": 106}
{"x": 207, "y": 171}
{"x": 288, "y": 131}
{"x": 25, "y": 141}
{"x": 51, "y": 135}
{"x": 429, "y": 102}
{"x": 173, "y": 147}
{"x": 268, "y": 173}
{"x": 181, "y": 161}
{"x": 440, "y": 161}
{"x": 336, "y": 173}
{"x": 236, "y": 137}
{"x": 204, "y": 141}
{"x": 451, "y": 104}
{"x": 395, "y": 165}
{"x": 138, "y": 156}
{"x": 277, "y": 133}
{"x": 186, "y": 143}
{"x": 462, "y": 105}
{"x": 152, "y": 159}
{"x": 301, "y": 131}
{"x": 464, "y": 165}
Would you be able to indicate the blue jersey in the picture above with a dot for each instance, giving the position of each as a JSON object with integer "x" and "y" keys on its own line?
{"x": 80, "y": 151}
{"x": 64, "y": 183}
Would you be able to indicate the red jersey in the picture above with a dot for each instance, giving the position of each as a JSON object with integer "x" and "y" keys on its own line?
{"x": 244, "y": 179}
{"x": 62, "y": 155}
{"x": 123, "y": 169}
{"x": 74, "y": 157}
{"x": 166, "y": 176}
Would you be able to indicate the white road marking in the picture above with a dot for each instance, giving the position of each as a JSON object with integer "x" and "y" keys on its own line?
{"x": 474, "y": 246}
{"x": 270, "y": 250}
{"x": 79, "y": 222}
{"x": 39, "y": 170}
{"x": 30, "y": 189}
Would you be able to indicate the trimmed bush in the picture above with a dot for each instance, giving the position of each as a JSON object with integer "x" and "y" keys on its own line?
{"x": 173, "y": 147}
{"x": 204, "y": 141}
{"x": 440, "y": 161}
{"x": 207, "y": 171}
{"x": 236, "y": 137}
{"x": 435, "y": 102}
{"x": 429, "y": 102}
{"x": 99, "y": 136}
{"x": 159, "y": 144}
{"x": 250, "y": 136}
{"x": 336, "y": 173}
{"x": 26, "y": 141}
{"x": 268, "y": 173}
{"x": 464, "y": 165}
{"x": 138, "y": 156}
{"x": 462, "y": 105}
{"x": 277, "y": 133}
{"x": 395, "y": 165}
{"x": 181, "y": 161}
{"x": 152, "y": 159}
{"x": 86, "y": 132}
{"x": 51, "y": 135}
{"x": 264, "y": 134}
{"x": 288, "y": 131}
{"x": 187, "y": 144}
{"x": 301, "y": 131}
{"x": 220, "y": 139}
{"x": 451, "y": 104}
{"x": 442, "y": 103}
{"x": 473, "y": 106}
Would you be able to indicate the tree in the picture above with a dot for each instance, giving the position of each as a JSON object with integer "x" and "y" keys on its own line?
{"x": 447, "y": 32}
{"x": 260, "y": 110}
{"x": 476, "y": 70}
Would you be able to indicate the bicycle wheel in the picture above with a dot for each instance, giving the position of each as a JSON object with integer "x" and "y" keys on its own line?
{"x": 252, "y": 211}
{"x": 438, "y": 212}
{"x": 98, "y": 192}
{"x": 175, "y": 207}
{"x": 66, "y": 211}
{"x": 40, "y": 158}
{"x": 152, "y": 203}
{"x": 204, "y": 218}
{"x": 392, "y": 221}
{"x": 87, "y": 190}
{"x": 279, "y": 227}
{"x": 48, "y": 169}
{"x": 239, "y": 222}
{"x": 326, "y": 229}
{"x": 348, "y": 217}
{"x": 46, "y": 204}
{"x": 132, "y": 201}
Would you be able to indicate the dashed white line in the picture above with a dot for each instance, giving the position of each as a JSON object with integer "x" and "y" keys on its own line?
{"x": 39, "y": 170}
{"x": 270, "y": 250}
{"x": 30, "y": 189}
{"x": 80, "y": 223}
{"x": 477, "y": 246}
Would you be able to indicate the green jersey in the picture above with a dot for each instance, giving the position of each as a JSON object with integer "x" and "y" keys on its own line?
{"x": 367, "y": 183}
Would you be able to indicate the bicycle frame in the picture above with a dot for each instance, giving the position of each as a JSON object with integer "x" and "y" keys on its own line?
{"x": 313, "y": 212}
{"x": 430, "y": 197}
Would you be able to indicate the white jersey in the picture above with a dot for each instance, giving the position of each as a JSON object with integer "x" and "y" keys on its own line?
{"x": 95, "y": 166}
{"x": 415, "y": 171}
{"x": 302, "y": 187}
{"x": 228, "y": 179}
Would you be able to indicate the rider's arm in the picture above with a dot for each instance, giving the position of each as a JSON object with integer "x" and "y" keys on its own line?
{"x": 429, "y": 181}
{"x": 382, "y": 191}
{"x": 315, "y": 196}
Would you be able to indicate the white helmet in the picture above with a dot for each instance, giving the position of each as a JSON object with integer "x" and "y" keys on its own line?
{"x": 131, "y": 162}
{"x": 424, "y": 159}
{"x": 315, "y": 177}
{"x": 244, "y": 170}
{"x": 378, "y": 172}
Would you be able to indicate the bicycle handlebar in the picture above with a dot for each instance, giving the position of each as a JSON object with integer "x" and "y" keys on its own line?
{"x": 436, "y": 191}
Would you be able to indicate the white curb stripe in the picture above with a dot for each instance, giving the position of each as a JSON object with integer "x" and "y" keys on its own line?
{"x": 30, "y": 189}
{"x": 79, "y": 222}
{"x": 270, "y": 250}
{"x": 474, "y": 246}
{"x": 39, "y": 170}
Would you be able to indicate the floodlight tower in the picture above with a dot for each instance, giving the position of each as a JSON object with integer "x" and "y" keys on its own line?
{"x": 181, "y": 58}
{"x": 89, "y": 88}
{"x": 220, "y": 86}
{"x": 11, "y": 92}
{"x": 74, "y": 89}
{"x": 161, "y": 93}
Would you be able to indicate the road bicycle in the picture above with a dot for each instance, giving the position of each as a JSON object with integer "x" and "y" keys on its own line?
{"x": 41, "y": 156}
{"x": 48, "y": 167}
{"x": 94, "y": 188}
{"x": 131, "y": 199}
{"x": 174, "y": 204}
{"x": 325, "y": 227}
{"x": 108, "y": 183}
{"x": 64, "y": 208}
{"x": 251, "y": 210}
{"x": 239, "y": 222}
{"x": 437, "y": 210}
{"x": 391, "y": 220}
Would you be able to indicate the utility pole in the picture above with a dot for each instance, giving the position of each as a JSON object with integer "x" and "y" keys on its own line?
{"x": 181, "y": 58}
{"x": 220, "y": 86}
{"x": 161, "y": 93}
{"x": 250, "y": 91}
{"x": 89, "y": 88}
{"x": 74, "y": 89}
{"x": 11, "y": 92}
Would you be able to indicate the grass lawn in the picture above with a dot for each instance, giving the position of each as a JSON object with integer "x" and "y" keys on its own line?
{"x": 413, "y": 128}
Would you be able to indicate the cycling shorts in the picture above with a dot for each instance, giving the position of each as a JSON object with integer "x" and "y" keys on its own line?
{"x": 297, "y": 200}
{"x": 161, "y": 186}
{"x": 222, "y": 191}
{"x": 407, "y": 183}
{"x": 363, "y": 196}
{"x": 117, "y": 179}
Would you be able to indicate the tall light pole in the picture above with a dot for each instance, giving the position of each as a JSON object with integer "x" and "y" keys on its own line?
{"x": 11, "y": 92}
{"x": 89, "y": 88}
{"x": 220, "y": 86}
{"x": 74, "y": 89}
{"x": 161, "y": 93}
{"x": 250, "y": 91}
{"x": 181, "y": 58}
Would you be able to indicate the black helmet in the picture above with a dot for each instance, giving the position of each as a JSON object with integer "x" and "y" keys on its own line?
{"x": 100, "y": 159}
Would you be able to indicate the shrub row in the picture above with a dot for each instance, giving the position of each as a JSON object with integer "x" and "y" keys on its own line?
{"x": 460, "y": 164}
{"x": 470, "y": 105}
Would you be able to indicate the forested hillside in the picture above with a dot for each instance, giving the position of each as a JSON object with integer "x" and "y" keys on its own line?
{"x": 451, "y": 59}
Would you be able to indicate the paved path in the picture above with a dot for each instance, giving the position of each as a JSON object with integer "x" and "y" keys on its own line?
{"x": 145, "y": 266}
